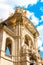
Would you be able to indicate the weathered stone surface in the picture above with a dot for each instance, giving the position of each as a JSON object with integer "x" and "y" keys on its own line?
{"x": 23, "y": 39}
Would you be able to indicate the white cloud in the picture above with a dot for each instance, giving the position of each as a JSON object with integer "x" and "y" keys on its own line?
{"x": 41, "y": 19}
{"x": 34, "y": 19}
{"x": 41, "y": 0}
{"x": 5, "y": 11}
{"x": 29, "y": 14}
{"x": 2, "y": 0}
{"x": 40, "y": 29}
{"x": 19, "y": 2}
{"x": 39, "y": 43}
{"x": 41, "y": 49}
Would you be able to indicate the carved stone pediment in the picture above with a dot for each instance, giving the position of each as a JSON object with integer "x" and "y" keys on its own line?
{"x": 18, "y": 16}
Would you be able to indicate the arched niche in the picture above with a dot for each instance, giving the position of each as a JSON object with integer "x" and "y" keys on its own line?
{"x": 8, "y": 47}
{"x": 27, "y": 40}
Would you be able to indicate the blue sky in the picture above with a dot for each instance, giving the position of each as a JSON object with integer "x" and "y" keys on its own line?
{"x": 34, "y": 13}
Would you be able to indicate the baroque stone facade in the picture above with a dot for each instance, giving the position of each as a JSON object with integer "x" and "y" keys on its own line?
{"x": 18, "y": 41}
